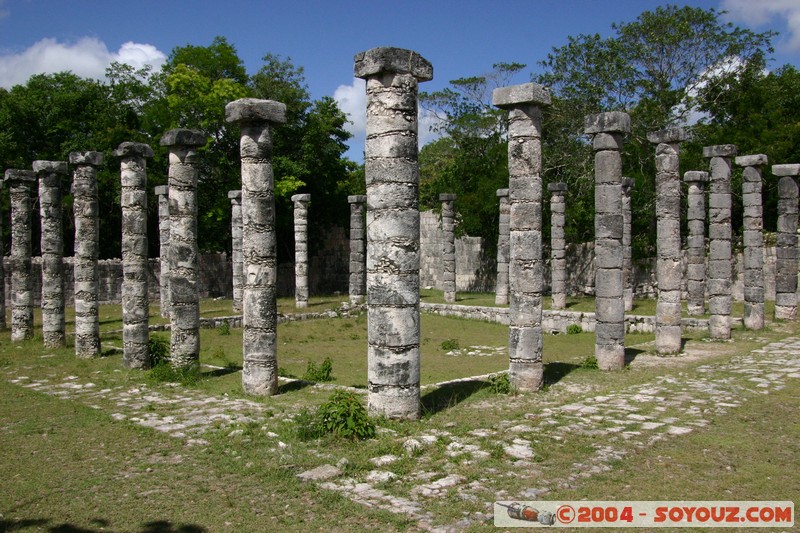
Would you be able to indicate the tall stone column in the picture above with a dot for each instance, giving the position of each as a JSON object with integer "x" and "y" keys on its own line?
{"x": 301, "y": 249}
{"x": 627, "y": 249}
{"x": 3, "y": 324}
{"x": 20, "y": 188}
{"x": 358, "y": 249}
{"x": 668, "y": 239}
{"x": 393, "y": 250}
{"x": 135, "y": 300}
{"x": 558, "y": 245}
{"x": 526, "y": 269}
{"x": 256, "y": 118}
{"x": 608, "y": 130}
{"x": 236, "y": 248}
{"x": 448, "y": 247}
{"x": 753, "y": 237}
{"x": 49, "y": 174}
{"x": 501, "y": 290}
{"x": 786, "y": 254}
{"x": 696, "y": 242}
{"x": 720, "y": 265}
{"x": 184, "y": 300}
{"x": 162, "y": 193}
{"x": 85, "y": 210}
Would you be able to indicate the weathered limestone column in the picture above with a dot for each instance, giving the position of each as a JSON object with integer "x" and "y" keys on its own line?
{"x": 256, "y": 118}
{"x": 753, "y": 237}
{"x": 358, "y": 249}
{"x": 20, "y": 189}
{"x": 135, "y": 300}
{"x": 668, "y": 239}
{"x": 85, "y": 210}
{"x": 236, "y": 248}
{"x": 696, "y": 242}
{"x": 448, "y": 247}
{"x": 526, "y": 269}
{"x": 558, "y": 245}
{"x": 627, "y": 249}
{"x": 720, "y": 266}
{"x": 3, "y": 325}
{"x": 786, "y": 253}
{"x": 162, "y": 192}
{"x": 49, "y": 174}
{"x": 501, "y": 290}
{"x": 393, "y": 252}
{"x": 184, "y": 300}
{"x": 301, "y": 249}
{"x": 607, "y": 130}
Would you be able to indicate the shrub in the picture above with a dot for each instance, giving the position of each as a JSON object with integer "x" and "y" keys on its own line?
{"x": 158, "y": 349}
{"x": 574, "y": 329}
{"x": 590, "y": 361}
{"x": 345, "y": 416}
{"x": 500, "y": 384}
{"x": 224, "y": 328}
{"x": 164, "y": 372}
{"x": 450, "y": 344}
{"x": 319, "y": 373}
{"x": 307, "y": 425}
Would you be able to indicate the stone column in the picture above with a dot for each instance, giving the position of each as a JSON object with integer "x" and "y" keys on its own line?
{"x": 184, "y": 301}
{"x": 162, "y": 192}
{"x": 236, "y": 248}
{"x": 301, "y": 249}
{"x": 85, "y": 210}
{"x": 786, "y": 253}
{"x": 753, "y": 237}
{"x": 627, "y": 249}
{"x": 135, "y": 300}
{"x": 20, "y": 189}
{"x": 696, "y": 242}
{"x": 393, "y": 256}
{"x": 608, "y": 130}
{"x": 448, "y": 247}
{"x": 256, "y": 118}
{"x": 558, "y": 245}
{"x": 49, "y": 174}
{"x": 358, "y": 249}
{"x": 501, "y": 290}
{"x": 669, "y": 264}
{"x": 3, "y": 324}
{"x": 720, "y": 266}
{"x": 526, "y": 269}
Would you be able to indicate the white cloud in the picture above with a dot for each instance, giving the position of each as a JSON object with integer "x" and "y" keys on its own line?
{"x": 760, "y": 12}
{"x": 88, "y": 57}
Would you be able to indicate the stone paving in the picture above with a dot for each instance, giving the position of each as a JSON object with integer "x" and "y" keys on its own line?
{"x": 668, "y": 406}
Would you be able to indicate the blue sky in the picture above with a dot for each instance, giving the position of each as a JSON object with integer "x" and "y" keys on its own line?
{"x": 459, "y": 37}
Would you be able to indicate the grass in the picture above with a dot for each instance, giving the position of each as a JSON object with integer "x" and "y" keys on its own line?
{"x": 70, "y": 465}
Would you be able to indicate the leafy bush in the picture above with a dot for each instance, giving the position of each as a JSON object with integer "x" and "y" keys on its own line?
{"x": 307, "y": 425}
{"x": 500, "y": 384}
{"x": 450, "y": 344}
{"x": 158, "y": 348}
{"x": 574, "y": 329}
{"x": 319, "y": 373}
{"x": 590, "y": 361}
{"x": 345, "y": 416}
{"x": 164, "y": 372}
{"x": 224, "y": 328}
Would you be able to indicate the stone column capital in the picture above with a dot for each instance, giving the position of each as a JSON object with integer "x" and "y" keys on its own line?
{"x": 755, "y": 160}
{"x": 47, "y": 167}
{"x": 447, "y": 197}
{"x": 667, "y": 135}
{"x": 301, "y": 198}
{"x": 133, "y": 149}
{"x": 179, "y": 137}
{"x": 255, "y": 111}
{"x": 235, "y": 196}
{"x": 161, "y": 190}
{"x": 87, "y": 157}
{"x": 783, "y": 170}
{"x": 521, "y": 95}
{"x": 609, "y": 122}
{"x": 695, "y": 176}
{"x": 15, "y": 175}
{"x": 628, "y": 184}
{"x": 719, "y": 150}
{"x": 376, "y": 61}
{"x": 502, "y": 193}
{"x": 558, "y": 187}
{"x": 357, "y": 199}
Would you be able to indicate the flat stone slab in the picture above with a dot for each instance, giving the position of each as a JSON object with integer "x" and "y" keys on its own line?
{"x": 751, "y": 160}
{"x": 720, "y": 150}
{"x": 234, "y": 195}
{"x": 357, "y": 199}
{"x": 88, "y": 157}
{"x": 180, "y": 137}
{"x": 557, "y": 187}
{"x": 786, "y": 170}
{"x": 59, "y": 167}
{"x": 140, "y": 149}
{"x": 695, "y": 176}
{"x": 14, "y": 174}
{"x": 255, "y": 110}
{"x": 320, "y": 473}
{"x": 447, "y": 197}
{"x": 301, "y": 198}
{"x": 609, "y": 122}
{"x": 515, "y": 95}
{"x": 669, "y": 135}
{"x": 163, "y": 190}
{"x": 391, "y": 59}
{"x": 502, "y": 192}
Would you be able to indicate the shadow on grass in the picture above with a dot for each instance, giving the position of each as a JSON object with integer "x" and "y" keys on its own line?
{"x": 630, "y": 354}
{"x": 449, "y": 395}
{"x": 292, "y": 386}
{"x": 555, "y": 371}
{"x": 219, "y": 372}
{"x": 160, "y": 526}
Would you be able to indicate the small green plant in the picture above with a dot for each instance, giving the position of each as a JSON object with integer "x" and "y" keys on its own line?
{"x": 158, "y": 348}
{"x": 590, "y": 361}
{"x": 450, "y": 344}
{"x": 345, "y": 416}
{"x": 574, "y": 329}
{"x": 500, "y": 384}
{"x": 307, "y": 425}
{"x": 224, "y": 328}
{"x": 319, "y": 373}
{"x": 164, "y": 372}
